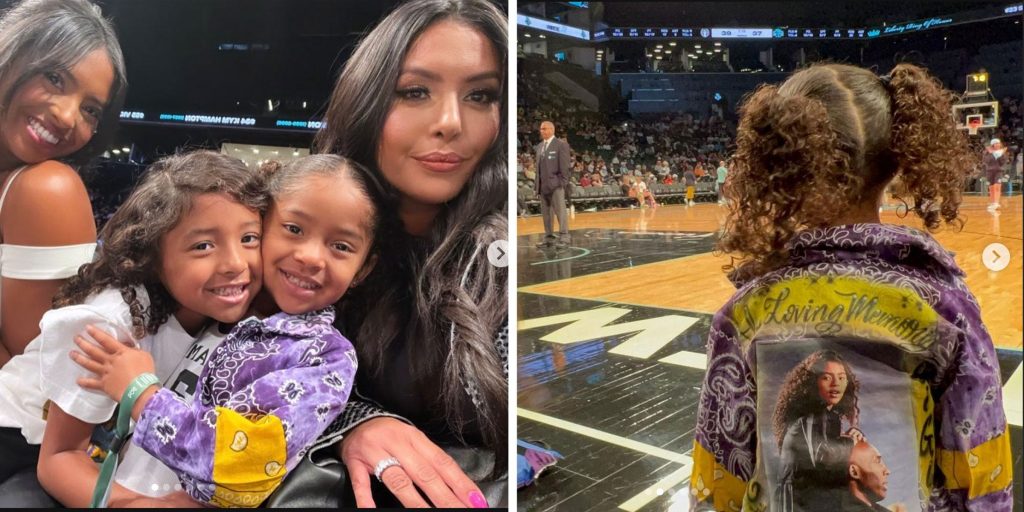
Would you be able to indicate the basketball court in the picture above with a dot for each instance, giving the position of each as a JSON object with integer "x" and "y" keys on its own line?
{"x": 611, "y": 344}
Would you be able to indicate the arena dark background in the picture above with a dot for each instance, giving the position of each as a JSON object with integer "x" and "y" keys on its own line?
{"x": 224, "y": 58}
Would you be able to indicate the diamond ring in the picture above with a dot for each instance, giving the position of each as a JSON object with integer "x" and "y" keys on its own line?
{"x": 385, "y": 464}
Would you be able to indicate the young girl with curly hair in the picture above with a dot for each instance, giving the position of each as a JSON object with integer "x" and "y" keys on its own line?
{"x": 275, "y": 383}
{"x": 815, "y": 268}
{"x": 179, "y": 256}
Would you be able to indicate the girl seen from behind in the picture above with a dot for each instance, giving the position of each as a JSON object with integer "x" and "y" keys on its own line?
{"x": 812, "y": 275}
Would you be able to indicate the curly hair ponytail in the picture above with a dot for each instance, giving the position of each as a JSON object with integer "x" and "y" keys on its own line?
{"x": 787, "y": 156}
{"x": 932, "y": 156}
{"x": 833, "y": 136}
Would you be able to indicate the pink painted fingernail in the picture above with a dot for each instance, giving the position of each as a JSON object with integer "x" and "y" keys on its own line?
{"x": 477, "y": 500}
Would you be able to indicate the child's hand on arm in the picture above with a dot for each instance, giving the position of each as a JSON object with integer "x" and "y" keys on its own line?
{"x": 114, "y": 364}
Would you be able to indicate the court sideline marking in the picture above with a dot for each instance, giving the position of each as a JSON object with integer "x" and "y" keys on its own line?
{"x": 647, "y": 495}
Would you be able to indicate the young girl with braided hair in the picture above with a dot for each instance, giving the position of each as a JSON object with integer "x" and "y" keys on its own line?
{"x": 815, "y": 269}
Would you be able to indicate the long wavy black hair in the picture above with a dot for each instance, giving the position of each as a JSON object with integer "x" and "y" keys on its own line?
{"x": 799, "y": 396}
{"x": 456, "y": 302}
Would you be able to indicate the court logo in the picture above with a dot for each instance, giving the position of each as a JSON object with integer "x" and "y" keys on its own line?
{"x": 651, "y": 334}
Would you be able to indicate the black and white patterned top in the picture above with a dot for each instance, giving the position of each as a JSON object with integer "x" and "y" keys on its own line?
{"x": 361, "y": 408}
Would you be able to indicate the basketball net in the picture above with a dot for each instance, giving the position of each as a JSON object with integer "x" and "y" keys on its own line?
{"x": 972, "y": 126}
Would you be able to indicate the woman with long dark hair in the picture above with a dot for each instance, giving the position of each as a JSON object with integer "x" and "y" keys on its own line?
{"x": 816, "y": 397}
{"x": 421, "y": 102}
{"x": 62, "y": 82}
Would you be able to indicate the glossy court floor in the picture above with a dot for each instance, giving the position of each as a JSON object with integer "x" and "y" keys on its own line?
{"x": 611, "y": 345}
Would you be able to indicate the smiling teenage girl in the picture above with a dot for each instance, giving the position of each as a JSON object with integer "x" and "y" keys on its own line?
{"x": 62, "y": 82}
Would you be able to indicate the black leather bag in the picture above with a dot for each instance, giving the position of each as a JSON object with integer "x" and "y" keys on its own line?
{"x": 320, "y": 481}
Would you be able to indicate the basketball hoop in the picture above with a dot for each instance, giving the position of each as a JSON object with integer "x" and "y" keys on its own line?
{"x": 973, "y": 125}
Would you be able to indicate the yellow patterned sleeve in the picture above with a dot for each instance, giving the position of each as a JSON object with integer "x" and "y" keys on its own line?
{"x": 712, "y": 483}
{"x": 984, "y": 469}
{"x": 249, "y": 459}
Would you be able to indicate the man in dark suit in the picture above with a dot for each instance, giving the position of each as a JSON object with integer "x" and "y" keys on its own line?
{"x": 551, "y": 183}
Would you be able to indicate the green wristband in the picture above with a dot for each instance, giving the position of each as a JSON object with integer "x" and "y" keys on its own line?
{"x": 101, "y": 493}
{"x": 131, "y": 394}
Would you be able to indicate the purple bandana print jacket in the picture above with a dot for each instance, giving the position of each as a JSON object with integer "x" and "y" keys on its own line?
{"x": 265, "y": 395}
{"x": 874, "y": 324}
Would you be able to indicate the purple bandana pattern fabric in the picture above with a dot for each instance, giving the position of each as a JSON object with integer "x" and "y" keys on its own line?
{"x": 266, "y": 394}
{"x": 860, "y": 375}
